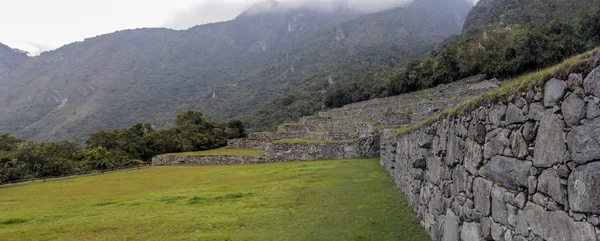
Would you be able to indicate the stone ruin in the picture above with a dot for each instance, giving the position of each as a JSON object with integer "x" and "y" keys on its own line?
{"x": 523, "y": 168}
{"x": 526, "y": 167}
{"x": 349, "y": 132}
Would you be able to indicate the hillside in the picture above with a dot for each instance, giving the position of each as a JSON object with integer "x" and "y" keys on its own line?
{"x": 523, "y": 11}
{"x": 488, "y": 45}
{"x": 225, "y": 70}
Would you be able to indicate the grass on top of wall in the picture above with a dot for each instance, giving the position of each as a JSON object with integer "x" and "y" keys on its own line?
{"x": 222, "y": 152}
{"x": 582, "y": 63}
{"x": 351, "y": 199}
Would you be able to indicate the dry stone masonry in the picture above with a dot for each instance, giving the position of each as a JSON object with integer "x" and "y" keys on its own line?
{"x": 523, "y": 168}
{"x": 349, "y": 132}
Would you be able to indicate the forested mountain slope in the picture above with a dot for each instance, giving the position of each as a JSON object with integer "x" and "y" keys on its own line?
{"x": 502, "y": 39}
{"x": 225, "y": 70}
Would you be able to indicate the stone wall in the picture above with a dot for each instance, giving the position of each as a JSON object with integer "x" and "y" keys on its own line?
{"x": 324, "y": 136}
{"x": 250, "y": 143}
{"x": 167, "y": 160}
{"x": 524, "y": 168}
{"x": 364, "y": 147}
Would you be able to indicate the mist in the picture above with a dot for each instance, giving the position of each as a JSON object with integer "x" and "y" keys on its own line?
{"x": 211, "y": 11}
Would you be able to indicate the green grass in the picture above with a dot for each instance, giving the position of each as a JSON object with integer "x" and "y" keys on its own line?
{"x": 296, "y": 141}
{"x": 576, "y": 64}
{"x": 222, "y": 152}
{"x": 324, "y": 200}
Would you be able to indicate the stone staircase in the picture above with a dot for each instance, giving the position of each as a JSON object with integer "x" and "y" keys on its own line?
{"x": 354, "y": 130}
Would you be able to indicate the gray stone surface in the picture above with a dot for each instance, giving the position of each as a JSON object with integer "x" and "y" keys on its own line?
{"x": 512, "y": 214}
{"x": 497, "y": 232}
{"x": 593, "y": 110}
{"x": 549, "y": 183}
{"x": 532, "y": 183}
{"x": 470, "y": 232}
{"x": 575, "y": 80}
{"x": 511, "y": 173}
{"x": 573, "y": 109}
{"x": 473, "y": 157}
{"x": 584, "y": 142}
{"x": 482, "y": 190}
{"x": 477, "y": 133}
{"x": 497, "y": 113}
{"x": 451, "y": 227}
{"x": 434, "y": 172}
{"x": 592, "y": 83}
{"x": 553, "y": 92}
{"x": 514, "y": 115}
{"x": 486, "y": 84}
{"x": 550, "y": 145}
{"x": 459, "y": 176}
{"x": 529, "y": 131}
{"x": 518, "y": 145}
{"x": 557, "y": 225}
{"x": 536, "y": 111}
{"x": 486, "y": 228}
{"x": 499, "y": 213}
{"x": 167, "y": 160}
{"x": 497, "y": 142}
{"x": 250, "y": 144}
{"x": 584, "y": 188}
{"x": 521, "y": 200}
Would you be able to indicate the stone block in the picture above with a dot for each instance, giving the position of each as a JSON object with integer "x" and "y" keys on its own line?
{"x": 584, "y": 142}
{"x": 481, "y": 194}
{"x": 451, "y": 227}
{"x": 470, "y": 232}
{"x": 556, "y": 225}
{"x": 549, "y": 183}
{"x": 553, "y": 92}
{"x": 573, "y": 110}
{"x": 499, "y": 213}
{"x": 584, "y": 188}
{"x": 592, "y": 83}
{"x": 510, "y": 172}
{"x": 550, "y": 147}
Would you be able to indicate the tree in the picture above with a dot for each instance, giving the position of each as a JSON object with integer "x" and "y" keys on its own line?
{"x": 236, "y": 129}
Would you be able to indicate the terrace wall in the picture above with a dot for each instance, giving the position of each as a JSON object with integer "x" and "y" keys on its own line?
{"x": 168, "y": 160}
{"x": 524, "y": 168}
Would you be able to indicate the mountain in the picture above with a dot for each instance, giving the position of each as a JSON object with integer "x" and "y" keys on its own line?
{"x": 360, "y": 47}
{"x": 10, "y": 59}
{"x": 500, "y": 39}
{"x": 225, "y": 70}
{"x": 508, "y": 12}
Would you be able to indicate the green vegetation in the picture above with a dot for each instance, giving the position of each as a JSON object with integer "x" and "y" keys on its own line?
{"x": 223, "y": 152}
{"x": 325, "y": 200}
{"x": 582, "y": 63}
{"x": 150, "y": 75}
{"x": 110, "y": 150}
{"x": 500, "y": 51}
{"x": 296, "y": 141}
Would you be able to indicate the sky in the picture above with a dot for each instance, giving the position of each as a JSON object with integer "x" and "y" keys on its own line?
{"x": 41, "y": 25}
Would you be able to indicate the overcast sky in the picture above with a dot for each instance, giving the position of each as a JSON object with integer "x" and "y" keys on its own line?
{"x": 41, "y": 25}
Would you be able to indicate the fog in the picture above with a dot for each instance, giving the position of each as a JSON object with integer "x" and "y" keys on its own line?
{"x": 210, "y": 11}
{"x": 36, "y": 26}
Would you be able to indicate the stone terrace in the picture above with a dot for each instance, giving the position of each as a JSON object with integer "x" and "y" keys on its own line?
{"x": 354, "y": 130}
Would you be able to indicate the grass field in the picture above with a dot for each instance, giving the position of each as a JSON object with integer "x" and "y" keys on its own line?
{"x": 223, "y": 152}
{"x": 322, "y": 200}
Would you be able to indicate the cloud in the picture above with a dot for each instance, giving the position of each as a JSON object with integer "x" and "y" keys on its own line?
{"x": 210, "y": 11}
{"x": 33, "y": 49}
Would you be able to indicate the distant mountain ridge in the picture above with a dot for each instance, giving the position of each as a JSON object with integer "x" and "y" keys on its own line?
{"x": 225, "y": 70}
